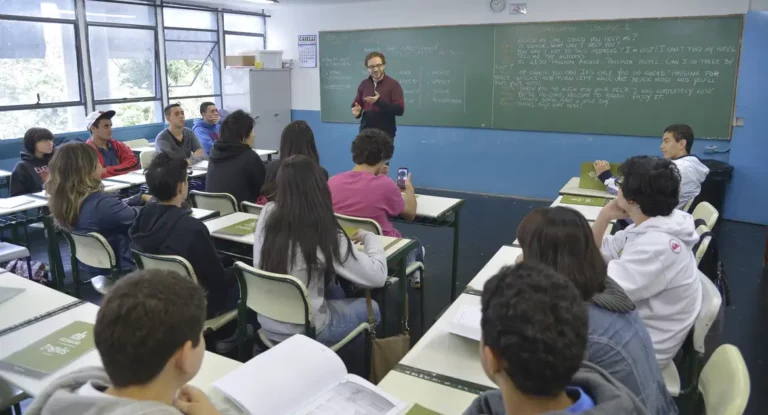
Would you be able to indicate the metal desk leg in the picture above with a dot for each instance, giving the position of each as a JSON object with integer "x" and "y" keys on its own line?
{"x": 455, "y": 259}
{"x": 54, "y": 254}
{"x": 403, "y": 280}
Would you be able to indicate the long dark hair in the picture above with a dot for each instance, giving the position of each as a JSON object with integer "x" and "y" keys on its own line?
{"x": 562, "y": 238}
{"x": 298, "y": 138}
{"x": 302, "y": 221}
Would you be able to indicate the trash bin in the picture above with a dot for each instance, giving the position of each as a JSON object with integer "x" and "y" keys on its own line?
{"x": 713, "y": 188}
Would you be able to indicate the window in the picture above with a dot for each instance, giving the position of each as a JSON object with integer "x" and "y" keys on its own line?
{"x": 191, "y": 106}
{"x": 39, "y": 62}
{"x": 123, "y": 61}
{"x": 55, "y": 9}
{"x": 192, "y": 59}
{"x": 134, "y": 113}
{"x": 243, "y": 33}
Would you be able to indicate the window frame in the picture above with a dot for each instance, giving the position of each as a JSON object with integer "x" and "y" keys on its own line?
{"x": 217, "y": 89}
{"x": 78, "y": 56}
{"x": 155, "y": 28}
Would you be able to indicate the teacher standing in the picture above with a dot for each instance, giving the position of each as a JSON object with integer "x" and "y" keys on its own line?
{"x": 379, "y": 98}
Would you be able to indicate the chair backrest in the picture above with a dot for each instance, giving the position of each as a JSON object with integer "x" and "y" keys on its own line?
{"x": 249, "y": 207}
{"x": 702, "y": 249}
{"x": 139, "y": 142}
{"x": 91, "y": 249}
{"x": 350, "y": 222}
{"x": 724, "y": 382}
{"x": 687, "y": 206}
{"x": 165, "y": 262}
{"x": 701, "y": 229}
{"x": 707, "y": 213}
{"x": 145, "y": 157}
{"x": 225, "y": 203}
{"x": 711, "y": 300}
{"x": 277, "y": 296}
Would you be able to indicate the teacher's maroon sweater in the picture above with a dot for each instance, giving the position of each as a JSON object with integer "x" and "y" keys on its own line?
{"x": 391, "y": 103}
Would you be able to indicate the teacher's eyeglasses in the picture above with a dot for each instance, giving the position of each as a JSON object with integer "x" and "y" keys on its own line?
{"x": 374, "y": 67}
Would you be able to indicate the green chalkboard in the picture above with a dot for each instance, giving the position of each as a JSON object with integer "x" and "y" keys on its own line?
{"x": 629, "y": 77}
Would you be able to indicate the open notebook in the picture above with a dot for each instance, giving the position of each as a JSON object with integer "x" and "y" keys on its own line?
{"x": 303, "y": 377}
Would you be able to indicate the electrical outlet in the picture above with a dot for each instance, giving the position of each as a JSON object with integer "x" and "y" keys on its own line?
{"x": 710, "y": 149}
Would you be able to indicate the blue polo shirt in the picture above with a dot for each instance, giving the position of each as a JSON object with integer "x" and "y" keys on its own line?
{"x": 582, "y": 401}
{"x": 109, "y": 154}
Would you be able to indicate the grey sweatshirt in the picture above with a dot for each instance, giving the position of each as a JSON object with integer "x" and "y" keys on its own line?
{"x": 611, "y": 398}
{"x": 165, "y": 142}
{"x": 63, "y": 397}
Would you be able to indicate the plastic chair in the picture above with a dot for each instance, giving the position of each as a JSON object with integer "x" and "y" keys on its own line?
{"x": 93, "y": 250}
{"x": 252, "y": 208}
{"x": 687, "y": 206}
{"x": 139, "y": 142}
{"x": 701, "y": 229}
{"x": 707, "y": 213}
{"x": 702, "y": 248}
{"x": 282, "y": 298}
{"x": 182, "y": 266}
{"x": 351, "y": 222}
{"x": 224, "y": 203}
{"x": 693, "y": 348}
{"x": 145, "y": 157}
{"x": 724, "y": 383}
{"x": 11, "y": 398}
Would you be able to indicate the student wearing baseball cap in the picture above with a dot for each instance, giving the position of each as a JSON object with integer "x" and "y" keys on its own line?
{"x": 115, "y": 156}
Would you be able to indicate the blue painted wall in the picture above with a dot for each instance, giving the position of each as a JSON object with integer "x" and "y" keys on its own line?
{"x": 748, "y": 193}
{"x": 514, "y": 163}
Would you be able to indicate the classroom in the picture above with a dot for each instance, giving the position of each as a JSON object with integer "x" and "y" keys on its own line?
{"x": 531, "y": 207}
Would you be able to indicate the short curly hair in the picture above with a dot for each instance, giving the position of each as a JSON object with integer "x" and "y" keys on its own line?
{"x": 371, "y": 147}
{"x": 651, "y": 182}
{"x": 535, "y": 320}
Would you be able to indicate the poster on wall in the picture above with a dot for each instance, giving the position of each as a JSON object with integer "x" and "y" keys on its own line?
{"x": 307, "y": 51}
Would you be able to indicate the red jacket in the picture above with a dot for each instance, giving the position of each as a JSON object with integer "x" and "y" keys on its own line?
{"x": 126, "y": 159}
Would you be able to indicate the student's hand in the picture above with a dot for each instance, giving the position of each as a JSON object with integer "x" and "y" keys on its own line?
{"x": 601, "y": 166}
{"x": 408, "y": 185}
{"x": 193, "y": 401}
{"x": 359, "y": 236}
{"x": 356, "y": 110}
{"x": 612, "y": 211}
{"x": 216, "y": 119}
{"x": 383, "y": 171}
{"x": 146, "y": 198}
{"x": 199, "y": 153}
{"x": 373, "y": 99}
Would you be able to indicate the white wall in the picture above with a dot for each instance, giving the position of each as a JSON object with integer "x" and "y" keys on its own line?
{"x": 287, "y": 22}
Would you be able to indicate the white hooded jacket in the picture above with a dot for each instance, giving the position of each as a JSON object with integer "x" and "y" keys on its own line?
{"x": 654, "y": 264}
{"x": 692, "y": 174}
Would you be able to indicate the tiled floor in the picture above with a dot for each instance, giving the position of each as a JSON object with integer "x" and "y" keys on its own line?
{"x": 487, "y": 222}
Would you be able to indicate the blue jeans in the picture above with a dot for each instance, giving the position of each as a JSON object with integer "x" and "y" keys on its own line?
{"x": 344, "y": 315}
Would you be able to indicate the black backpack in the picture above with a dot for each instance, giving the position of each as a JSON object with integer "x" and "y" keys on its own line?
{"x": 711, "y": 266}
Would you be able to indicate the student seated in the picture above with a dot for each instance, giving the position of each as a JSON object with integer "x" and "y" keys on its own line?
{"x": 178, "y": 140}
{"x": 676, "y": 145}
{"x": 297, "y": 138}
{"x": 116, "y": 157}
{"x": 652, "y": 259}
{"x": 78, "y": 202}
{"x": 534, "y": 335}
{"x": 207, "y": 128}
{"x": 367, "y": 192}
{"x": 617, "y": 340}
{"x": 149, "y": 335}
{"x": 165, "y": 228}
{"x": 233, "y": 166}
{"x": 30, "y": 173}
{"x": 298, "y": 234}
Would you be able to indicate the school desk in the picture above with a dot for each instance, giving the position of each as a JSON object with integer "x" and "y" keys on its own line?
{"x": 572, "y": 188}
{"x": 37, "y": 300}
